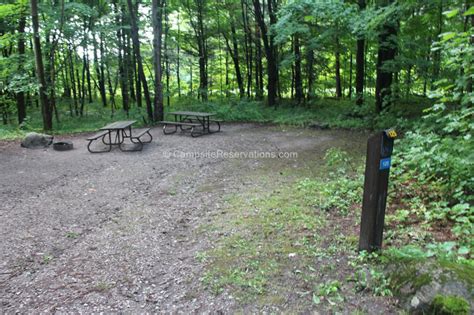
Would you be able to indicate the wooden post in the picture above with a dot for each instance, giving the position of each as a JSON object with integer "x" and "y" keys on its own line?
{"x": 377, "y": 168}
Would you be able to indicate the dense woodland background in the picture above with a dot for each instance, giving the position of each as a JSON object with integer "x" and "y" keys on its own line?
{"x": 69, "y": 57}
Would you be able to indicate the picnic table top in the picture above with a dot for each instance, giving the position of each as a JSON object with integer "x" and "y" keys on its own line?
{"x": 119, "y": 125}
{"x": 196, "y": 114}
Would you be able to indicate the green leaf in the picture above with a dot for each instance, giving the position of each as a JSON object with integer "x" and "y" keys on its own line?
{"x": 469, "y": 12}
{"x": 447, "y": 36}
{"x": 316, "y": 299}
{"x": 463, "y": 250}
{"x": 451, "y": 13}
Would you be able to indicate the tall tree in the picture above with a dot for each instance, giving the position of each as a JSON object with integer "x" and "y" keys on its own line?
{"x": 360, "y": 62}
{"x": 234, "y": 53}
{"x": 270, "y": 51}
{"x": 197, "y": 14}
{"x": 337, "y": 68}
{"x": 299, "y": 95}
{"x": 386, "y": 54}
{"x": 20, "y": 96}
{"x": 43, "y": 91}
{"x": 138, "y": 56}
{"x": 123, "y": 72}
{"x": 157, "y": 21}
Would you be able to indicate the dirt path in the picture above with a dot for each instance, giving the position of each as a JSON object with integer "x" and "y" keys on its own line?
{"x": 118, "y": 231}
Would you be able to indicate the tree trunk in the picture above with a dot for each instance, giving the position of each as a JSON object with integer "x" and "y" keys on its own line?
{"x": 136, "y": 48}
{"x": 203, "y": 82}
{"x": 338, "y": 70}
{"x": 270, "y": 52}
{"x": 122, "y": 67}
{"x": 157, "y": 19}
{"x": 83, "y": 86}
{"x": 20, "y": 96}
{"x": 437, "y": 53}
{"x": 197, "y": 24}
{"x": 178, "y": 79}
{"x": 386, "y": 53}
{"x": 166, "y": 55}
{"x": 78, "y": 80}
{"x": 227, "y": 92}
{"x": 469, "y": 82}
{"x": 65, "y": 78}
{"x": 45, "y": 106}
{"x": 234, "y": 53}
{"x": 99, "y": 69}
{"x": 73, "y": 80}
{"x": 88, "y": 76}
{"x": 310, "y": 72}
{"x": 360, "y": 57}
{"x": 258, "y": 65}
{"x": 350, "y": 77}
{"x": 248, "y": 45}
{"x": 299, "y": 95}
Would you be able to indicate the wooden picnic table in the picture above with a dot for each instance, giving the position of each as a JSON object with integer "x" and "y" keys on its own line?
{"x": 115, "y": 134}
{"x": 188, "y": 121}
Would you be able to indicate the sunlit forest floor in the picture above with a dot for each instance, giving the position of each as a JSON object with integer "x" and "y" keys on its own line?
{"x": 159, "y": 232}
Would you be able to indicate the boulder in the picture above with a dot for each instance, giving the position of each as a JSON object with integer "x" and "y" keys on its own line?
{"x": 36, "y": 140}
{"x": 429, "y": 285}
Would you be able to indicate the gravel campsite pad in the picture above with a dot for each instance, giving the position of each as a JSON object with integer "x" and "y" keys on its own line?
{"x": 119, "y": 231}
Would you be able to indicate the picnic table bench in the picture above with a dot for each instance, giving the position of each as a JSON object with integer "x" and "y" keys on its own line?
{"x": 198, "y": 123}
{"x": 115, "y": 134}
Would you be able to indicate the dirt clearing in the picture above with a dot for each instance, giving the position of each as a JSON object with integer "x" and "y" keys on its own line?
{"x": 117, "y": 231}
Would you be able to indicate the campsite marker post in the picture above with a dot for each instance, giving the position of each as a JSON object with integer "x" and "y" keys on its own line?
{"x": 377, "y": 168}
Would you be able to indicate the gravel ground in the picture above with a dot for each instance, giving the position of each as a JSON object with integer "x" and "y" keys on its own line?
{"x": 117, "y": 232}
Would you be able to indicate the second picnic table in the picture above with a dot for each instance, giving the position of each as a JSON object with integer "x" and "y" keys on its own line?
{"x": 188, "y": 121}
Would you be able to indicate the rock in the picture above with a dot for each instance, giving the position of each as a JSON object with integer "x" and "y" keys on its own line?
{"x": 36, "y": 140}
{"x": 421, "y": 284}
{"x": 415, "y": 302}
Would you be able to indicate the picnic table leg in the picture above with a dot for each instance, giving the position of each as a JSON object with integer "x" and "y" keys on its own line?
{"x": 169, "y": 133}
{"x": 129, "y": 133}
{"x": 103, "y": 141}
{"x": 110, "y": 138}
{"x": 140, "y": 146}
{"x": 186, "y": 119}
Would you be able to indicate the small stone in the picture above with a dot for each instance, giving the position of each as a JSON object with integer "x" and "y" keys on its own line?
{"x": 415, "y": 302}
{"x": 292, "y": 255}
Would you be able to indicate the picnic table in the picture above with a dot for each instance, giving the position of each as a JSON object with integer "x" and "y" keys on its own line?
{"x": 198, "y": 123}
{"x": 114, "y": 134}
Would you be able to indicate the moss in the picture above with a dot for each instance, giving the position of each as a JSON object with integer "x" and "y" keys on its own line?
{"x": 408, "y": 272}
{"x": 450, "y": 305}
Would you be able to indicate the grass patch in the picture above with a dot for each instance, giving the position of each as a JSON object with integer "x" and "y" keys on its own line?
{"x": 284, "y": 242}
{"x": 326, "y": 112}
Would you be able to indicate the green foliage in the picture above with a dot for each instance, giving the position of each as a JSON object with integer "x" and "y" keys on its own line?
{"x": 450, "y": 305}
{"x": 330, "y": 291}
{"x": 7, "y": 108}
{"x": 368, "y": 278}
{"x": 434, "y": 163}
{"x": 342, "y": 191}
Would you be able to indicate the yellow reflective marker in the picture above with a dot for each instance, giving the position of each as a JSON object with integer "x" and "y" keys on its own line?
{"x": 391, "y": 133}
